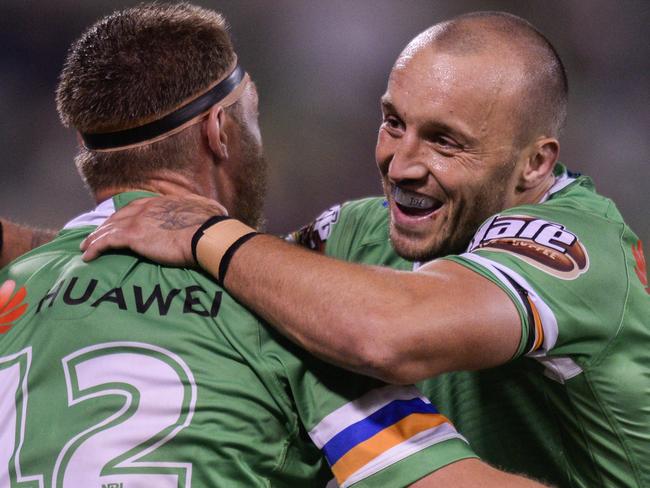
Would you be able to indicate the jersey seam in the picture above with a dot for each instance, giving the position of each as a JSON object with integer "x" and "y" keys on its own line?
{"x": 291, "y": 429}
{"x": 583, "y": 431}
{"x": 292, "y": 426}
{"x": 218, "y": 334}
{"x": 604, "y": 353}
{"x": 614, "y": 426}
{"x": 570, "y": 475}
{"x": 610, "y": 343}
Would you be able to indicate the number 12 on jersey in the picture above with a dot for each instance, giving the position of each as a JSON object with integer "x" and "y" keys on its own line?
{"x": 159, "y": 395}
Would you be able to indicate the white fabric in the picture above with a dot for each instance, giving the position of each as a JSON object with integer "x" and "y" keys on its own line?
{"x": 95, "y": 217}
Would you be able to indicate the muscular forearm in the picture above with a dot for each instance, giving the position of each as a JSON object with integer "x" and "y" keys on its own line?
{"x": 19, "y": 239}
{"x": 320, "y": 303}
{"x": 398, "y": 326}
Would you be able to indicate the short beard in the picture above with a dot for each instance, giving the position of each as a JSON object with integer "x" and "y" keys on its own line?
{"x": 490, "y": 199}
{"x": 250, "y": 181}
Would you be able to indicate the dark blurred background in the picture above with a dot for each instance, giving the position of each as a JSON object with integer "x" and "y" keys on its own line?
{"x": 321, "y": 67}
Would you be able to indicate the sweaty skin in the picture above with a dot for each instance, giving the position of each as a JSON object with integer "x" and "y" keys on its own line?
{"x": 448, "y": 137}
{"x": 164, "y": 236}
{"x": 367, "y": 329}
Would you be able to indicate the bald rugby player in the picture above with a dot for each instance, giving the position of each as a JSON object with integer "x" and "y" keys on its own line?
{"x": 526, "y": 269}
{"x": 159, "y": 391}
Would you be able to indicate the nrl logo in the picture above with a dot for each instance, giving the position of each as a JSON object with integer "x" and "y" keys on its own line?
{"x": 545, "y": 245}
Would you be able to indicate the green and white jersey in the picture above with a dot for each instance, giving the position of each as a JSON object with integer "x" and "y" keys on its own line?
{"x": 573, "y": 406}
{"x": 124, "y": 374}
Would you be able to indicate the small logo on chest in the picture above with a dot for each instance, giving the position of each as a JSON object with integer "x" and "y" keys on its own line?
{"x": 11, "y": 305}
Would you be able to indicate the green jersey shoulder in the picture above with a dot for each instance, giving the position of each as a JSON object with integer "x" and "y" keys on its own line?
{"x": 575, "y": 271}
{"x": 577, "y": 275}
{"x": 355, "y": 231}
{"x": 120, "y": 373}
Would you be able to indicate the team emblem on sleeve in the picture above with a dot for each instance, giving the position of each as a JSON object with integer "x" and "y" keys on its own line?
{"x": 548, "y": 246}
{"x": 314, "y": 235}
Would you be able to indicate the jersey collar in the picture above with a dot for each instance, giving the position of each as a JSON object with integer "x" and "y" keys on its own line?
{"x": 562, "y": 180}
{"x": 105, "y": 209}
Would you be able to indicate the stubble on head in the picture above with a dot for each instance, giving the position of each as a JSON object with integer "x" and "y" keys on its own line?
{"x": 528, "y": 101}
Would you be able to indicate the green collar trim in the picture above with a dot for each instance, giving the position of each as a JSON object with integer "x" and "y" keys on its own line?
{"x": 123, "y": 199}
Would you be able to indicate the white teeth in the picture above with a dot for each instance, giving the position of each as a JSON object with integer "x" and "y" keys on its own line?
{"x": 412, "y": 200}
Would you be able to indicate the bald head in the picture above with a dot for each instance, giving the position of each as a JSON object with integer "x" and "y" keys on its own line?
{"x": 519, "y": 51}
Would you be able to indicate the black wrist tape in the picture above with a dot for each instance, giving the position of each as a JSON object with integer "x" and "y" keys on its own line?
{"x": 199, "y": 233}
{"x": 225, "y": 261}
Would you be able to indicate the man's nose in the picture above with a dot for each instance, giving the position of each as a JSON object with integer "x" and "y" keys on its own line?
{"x": 408, "y": 161}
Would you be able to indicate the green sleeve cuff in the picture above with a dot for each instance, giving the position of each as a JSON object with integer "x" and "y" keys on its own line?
{"x": 418, "y": 465}
{"x": 521, "y": 311}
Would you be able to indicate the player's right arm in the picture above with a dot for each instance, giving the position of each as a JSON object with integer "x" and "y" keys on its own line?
{"x": 400, "y": 327}
{"x": 474, "y": 473}
{"x": 16, "y": 240}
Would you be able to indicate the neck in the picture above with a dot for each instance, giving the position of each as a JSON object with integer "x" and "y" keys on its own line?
{"x": 535, "y": 195}
{"x": 164, "y": 183}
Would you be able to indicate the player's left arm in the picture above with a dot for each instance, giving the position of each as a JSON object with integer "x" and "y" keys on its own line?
{"x": 16, "y": 240}
{"x": 398, "y": 326}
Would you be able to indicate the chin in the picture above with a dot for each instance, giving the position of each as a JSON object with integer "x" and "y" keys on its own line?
{"x": 423, "y": 249}
{"x": 413, "y": 248}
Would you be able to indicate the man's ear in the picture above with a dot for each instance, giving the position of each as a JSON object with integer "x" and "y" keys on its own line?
{"x": 217, "y": 137}
{"x": 541, "y": 161}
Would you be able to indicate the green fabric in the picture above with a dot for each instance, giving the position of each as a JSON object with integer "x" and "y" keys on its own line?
{"x": 122, "y": 373}
{"x": 590, "y": 428}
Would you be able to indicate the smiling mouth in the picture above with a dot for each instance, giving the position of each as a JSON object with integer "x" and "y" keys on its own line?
{"x": 414, "y": 204}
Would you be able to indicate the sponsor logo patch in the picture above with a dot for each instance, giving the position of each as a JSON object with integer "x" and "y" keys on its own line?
{"x": 314, "y": 235}
{"x": 11, "y": 305}
{"x": 548, "y": 246}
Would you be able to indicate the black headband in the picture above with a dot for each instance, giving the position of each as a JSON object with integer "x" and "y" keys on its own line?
{"x": 135, "y": 135}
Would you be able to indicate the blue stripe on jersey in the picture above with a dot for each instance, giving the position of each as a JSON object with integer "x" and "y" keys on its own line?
{"x": 386, "y": 416}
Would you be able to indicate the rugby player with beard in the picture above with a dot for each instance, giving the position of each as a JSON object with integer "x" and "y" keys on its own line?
{"x": 122, "y": 372}
{"x": 528, "y": 271}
